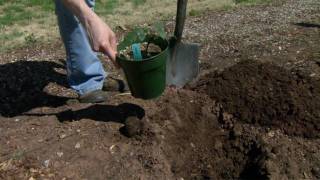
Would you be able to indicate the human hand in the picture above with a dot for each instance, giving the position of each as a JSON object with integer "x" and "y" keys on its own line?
{"x": 102, "y": 38}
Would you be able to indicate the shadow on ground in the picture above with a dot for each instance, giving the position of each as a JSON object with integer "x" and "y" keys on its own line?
{"x": 106, "y": 113}
{"x": 103, "y": 113}
{"x": 22, "y": 86}
{"x": 307, "y": 25}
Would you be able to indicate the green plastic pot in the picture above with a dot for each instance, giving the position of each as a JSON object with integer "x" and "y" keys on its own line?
{"x": 147, "y": 77}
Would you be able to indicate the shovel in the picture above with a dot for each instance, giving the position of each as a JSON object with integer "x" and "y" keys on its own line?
{"x": 182, "y": 64}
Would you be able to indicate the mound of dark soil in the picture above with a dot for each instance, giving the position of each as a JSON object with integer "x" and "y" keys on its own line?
{"x": 198, "y": 148}
{"x": 266, "y": 94}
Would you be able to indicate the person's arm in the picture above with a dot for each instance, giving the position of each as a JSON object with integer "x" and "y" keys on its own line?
{"x": 101, "y": 37}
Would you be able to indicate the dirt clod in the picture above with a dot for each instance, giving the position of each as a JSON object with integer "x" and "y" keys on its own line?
{"x": 133, "y": 126}
{"x": 316, "y": 172}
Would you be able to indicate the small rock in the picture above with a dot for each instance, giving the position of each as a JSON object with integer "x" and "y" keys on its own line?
{"x": 62, "y": 136}
{"x": 32, "y": 178}
{"x": 46, "y": 163}
{"x": 59, "y": 154}
{"x": 77, "y": 146}
{"x": 32, "y": 170}
{"x": 122, "y": 27}
{"x": 17, "y": 120}
{"x": 227, "y": 120}
{"x": 78, "y": 130}
{"x": 192, "y": 145}
{"x": 114, "y": 148}
{"x": 313, "y": 74}
{"x": 271, "y": 134}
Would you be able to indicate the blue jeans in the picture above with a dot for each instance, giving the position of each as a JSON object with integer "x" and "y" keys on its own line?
{"x": 84, "y": 70}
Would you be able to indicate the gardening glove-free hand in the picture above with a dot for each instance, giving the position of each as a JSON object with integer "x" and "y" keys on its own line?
{"x": 101, "y": 37}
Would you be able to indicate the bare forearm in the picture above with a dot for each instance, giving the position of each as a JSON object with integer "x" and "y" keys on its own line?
{"x": 81, "y": 10}
{"x": 100, "y": 35}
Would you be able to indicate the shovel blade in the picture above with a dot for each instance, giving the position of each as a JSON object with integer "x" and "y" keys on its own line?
{"x": 182, "y": 64}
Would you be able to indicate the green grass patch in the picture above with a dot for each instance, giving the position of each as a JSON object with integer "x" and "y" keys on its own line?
{"x": 6, "y": 39}
{"x": 227, "y": 7}
{"x": 12, "y": 16}
{"x": 24, "y": 10}
{"x": 106, "y": 6}
{"x": 24, "y": 22}
{"x": 194, "y": 12}
{"x": 45, "y": 5}
{"x": 11, "y": 35}
{"x": 251, "y": 2}
{"x": 138, "y": 2}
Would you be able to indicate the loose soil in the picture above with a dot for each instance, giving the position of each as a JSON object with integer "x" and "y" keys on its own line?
{"x": 268, "y": 95}
{"x": 147, "y": 51}
{"x": 253, "y": 112}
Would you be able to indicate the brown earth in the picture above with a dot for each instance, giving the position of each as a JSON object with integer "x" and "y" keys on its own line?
{"x": 251, "y": 114}
{"x": 268, "y": 95}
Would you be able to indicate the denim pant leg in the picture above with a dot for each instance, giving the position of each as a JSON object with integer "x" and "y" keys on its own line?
{"x": 84, "y": 69}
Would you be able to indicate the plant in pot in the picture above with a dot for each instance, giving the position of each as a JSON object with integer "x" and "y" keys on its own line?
{"x": 142, "y": 55}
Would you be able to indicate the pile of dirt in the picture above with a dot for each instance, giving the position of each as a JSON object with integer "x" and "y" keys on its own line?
{"x": 197, "y": 147}
{"x": 268, "y": 95}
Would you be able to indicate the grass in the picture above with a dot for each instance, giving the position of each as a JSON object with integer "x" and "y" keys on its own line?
{"x": 26, "y": 21}
{"x": 14, "y": 13}
{"x": 11, "y": 35}
{"x": 252, "y": 2}
{"x": 106, "y": 6}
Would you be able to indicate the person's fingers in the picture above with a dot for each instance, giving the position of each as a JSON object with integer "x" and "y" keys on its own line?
{"x": 108, "y": 50}
{"x": 113, "y": 43}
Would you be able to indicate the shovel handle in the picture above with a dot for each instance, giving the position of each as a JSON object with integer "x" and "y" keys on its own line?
{"x": 180, "y": 20}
